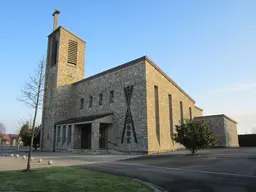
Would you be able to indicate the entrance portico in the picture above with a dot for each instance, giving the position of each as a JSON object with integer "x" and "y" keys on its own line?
{"x": 89, "y": 132}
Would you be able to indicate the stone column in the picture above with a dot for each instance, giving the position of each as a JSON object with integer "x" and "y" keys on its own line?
{"x": 66, "y": 138}
{"x": 72, "y": 135}
{"x": 95, "y": 136}
{"x": 61, "y": 136}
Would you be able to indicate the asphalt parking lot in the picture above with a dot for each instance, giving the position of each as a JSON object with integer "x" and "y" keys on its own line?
{"x": 210, "y": 171}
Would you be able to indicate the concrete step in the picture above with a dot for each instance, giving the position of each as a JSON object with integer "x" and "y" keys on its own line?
{"x": 91, "y": 152}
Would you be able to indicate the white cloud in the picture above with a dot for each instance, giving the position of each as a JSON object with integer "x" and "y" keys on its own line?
{"x": 236, "y": 101}
{"x": 241, "y": 87}
{"x": 236, "y": 88}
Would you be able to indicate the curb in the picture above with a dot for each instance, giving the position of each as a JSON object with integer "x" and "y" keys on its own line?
{"x": 230, "y": 157}
{"x": 154, "y": 187}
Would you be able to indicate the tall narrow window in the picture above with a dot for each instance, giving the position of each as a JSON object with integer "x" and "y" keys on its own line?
{"x": 72, "y": 52}
{"x": 81, "y": 103}
{"x": 58, "y": 135}
{"x": 90, "y": 101}
{"x": 69, "y": 133}
{"x": 53, "y": 45}
{"x": 157, "y": 113}
{"x": 181, "y": 113}
{"x": 111, "y": 97}
{"x": 100, "y": 99}
{"x": 190, "y": 113}
{"x": 64, "y": 134}
{"x": 170, "y": 115}
{"x": 55, "y": 53}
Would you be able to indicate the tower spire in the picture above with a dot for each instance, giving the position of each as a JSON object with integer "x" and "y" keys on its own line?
{"x": 55, "y": 20}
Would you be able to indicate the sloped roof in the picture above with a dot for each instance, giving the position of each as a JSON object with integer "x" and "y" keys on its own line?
{"x": 83, "y": 119}
{"x": 130, "y": 63}
{"x": 61, "y": 27}
{"x": 218, "y": 115}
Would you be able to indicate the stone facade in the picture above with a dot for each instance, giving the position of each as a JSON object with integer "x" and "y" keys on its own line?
{"x": 224, "y": 128}
{"x": 133, "y": 107}
{"x": 183, "y": 107}
{"x": 63, "y": 96}
{"x": 59, "y": 76}
{"x": 198, "y": 112}
{"x": 115, "y": 81}
{"x": 231, "y": 132}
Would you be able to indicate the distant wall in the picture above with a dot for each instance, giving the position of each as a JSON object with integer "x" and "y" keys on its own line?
{"x": 198, "y": 112}
{"x": 224, "y": 128}
{"x": 216, "y": 124}
{"x": 231, "y": 132}
{"x": 247, "y": 140}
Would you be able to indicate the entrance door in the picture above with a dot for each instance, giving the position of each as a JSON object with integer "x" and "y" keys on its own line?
{"x": 103, "y": 136}
{"x": 86, "y": 136}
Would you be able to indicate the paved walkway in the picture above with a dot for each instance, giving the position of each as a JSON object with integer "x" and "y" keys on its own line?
{"x": 59, "y": 159}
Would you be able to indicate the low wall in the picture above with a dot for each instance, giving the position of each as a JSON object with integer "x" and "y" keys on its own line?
{"x": 12, "y": 148}
{"x": 247, "y": 140}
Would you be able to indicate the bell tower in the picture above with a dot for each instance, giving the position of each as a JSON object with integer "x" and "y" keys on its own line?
{"x": 64, "y": 66}
{"x": 65, "y": 55}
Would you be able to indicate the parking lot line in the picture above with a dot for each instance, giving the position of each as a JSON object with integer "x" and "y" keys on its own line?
{"x": 190, "y": 170}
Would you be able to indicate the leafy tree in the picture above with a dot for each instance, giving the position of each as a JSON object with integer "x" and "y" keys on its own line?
{"x": 36, "y": 141}
{"x": 194, "y": 135}
{"x": 25, "y": 135}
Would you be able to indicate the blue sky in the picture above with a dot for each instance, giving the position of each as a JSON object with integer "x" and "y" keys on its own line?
{"x": 207, "y": 47}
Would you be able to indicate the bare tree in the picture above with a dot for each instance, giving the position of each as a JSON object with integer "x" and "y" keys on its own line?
{"x": 32, "y": 95}
{"x": 2, "y": 129}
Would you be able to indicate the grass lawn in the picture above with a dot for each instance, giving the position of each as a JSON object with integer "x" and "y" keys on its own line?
{"x": 66, "y": 179}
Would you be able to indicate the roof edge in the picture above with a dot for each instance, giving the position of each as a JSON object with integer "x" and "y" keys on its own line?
{"x": 219, "y": 115}
{"x": 168, "y": 78}
{"x": 82, "y": 119}
{"x": 58, "y": 28}
{"x": 61, "y": 27}
{"x": 199, "y": 108}
{"x": 143, "y": 58}
{"x": 132, "y": 62}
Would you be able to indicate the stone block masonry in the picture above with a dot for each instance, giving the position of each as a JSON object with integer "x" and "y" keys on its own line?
{"x": 133, "y": 107}
{"x": 224, "y": 128}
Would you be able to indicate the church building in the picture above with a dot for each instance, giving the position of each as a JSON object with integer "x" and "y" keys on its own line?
{"x": 131, "y": 108}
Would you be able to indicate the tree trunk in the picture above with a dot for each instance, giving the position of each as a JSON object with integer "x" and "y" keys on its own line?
{"x": 194, "y": 147}
{"x": 32, "y": 139}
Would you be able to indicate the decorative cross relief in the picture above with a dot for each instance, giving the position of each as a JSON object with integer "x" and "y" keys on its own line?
{"x": 128, "y": 122}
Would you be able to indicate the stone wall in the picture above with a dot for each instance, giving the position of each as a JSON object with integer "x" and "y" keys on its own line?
{"x": 224, "y": 128}
{"x": 216, "y": 124}
{"x": 66, "y": 104}
{"x": 165, "y": 87}
{"x": 198, "y": 112}
{"x": 70, "y": 73}
{"x": 58, "y": 79}
{"x": 116, "y": 81}
{"x": 231, "y": 132}
{"x": 49, "y": 92}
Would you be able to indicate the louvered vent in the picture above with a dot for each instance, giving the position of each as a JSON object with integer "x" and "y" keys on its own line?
{"x": 72, "y": 52}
